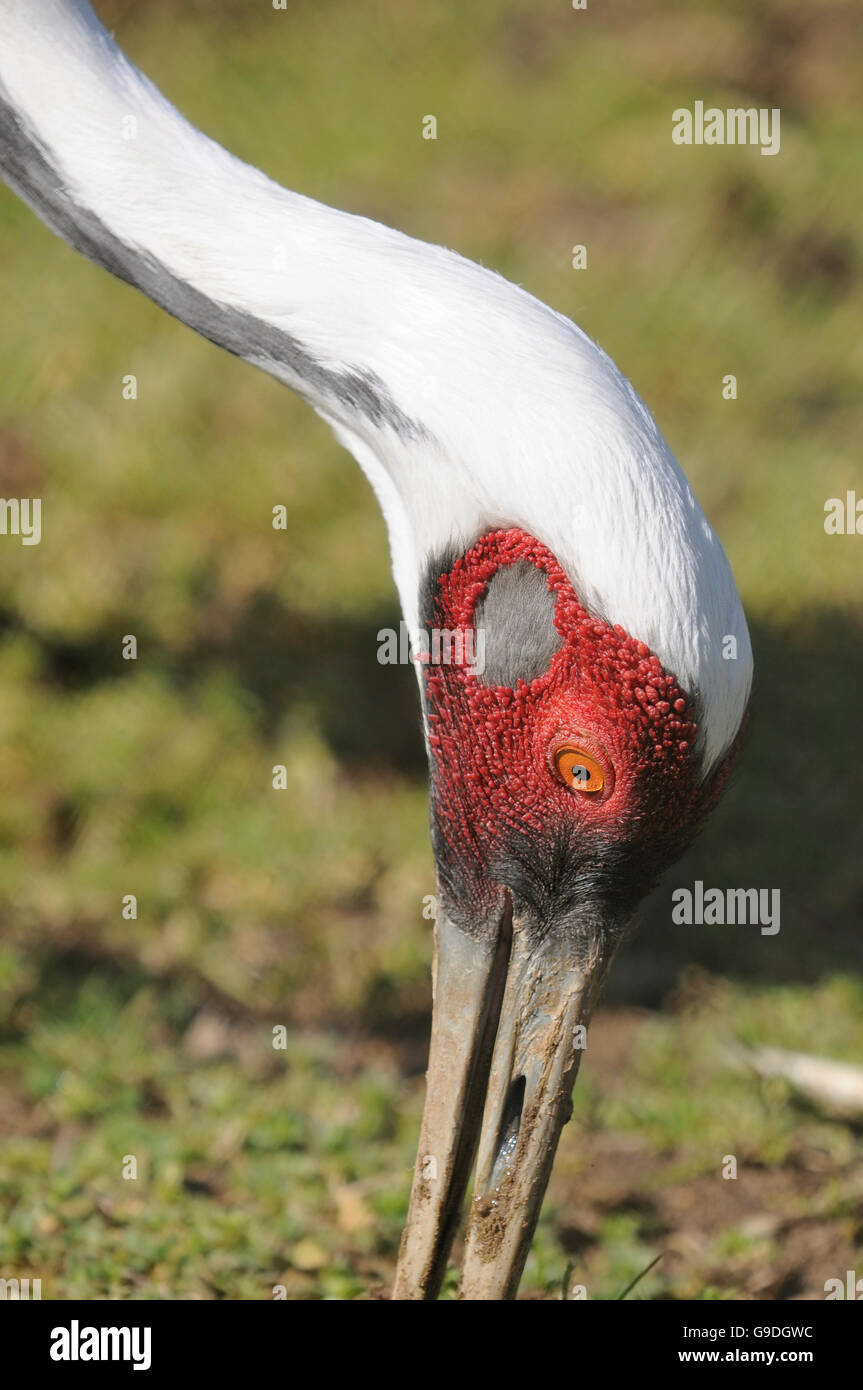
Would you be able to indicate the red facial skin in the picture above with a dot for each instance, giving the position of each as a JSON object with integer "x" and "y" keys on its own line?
{"x": 492, "y": 748}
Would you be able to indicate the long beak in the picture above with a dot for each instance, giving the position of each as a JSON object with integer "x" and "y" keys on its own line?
{"x": 511, "y": 1008}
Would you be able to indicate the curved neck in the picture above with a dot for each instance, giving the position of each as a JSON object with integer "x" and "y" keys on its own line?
{"x": 469, "y": 404}
{"x": 274, "y": 277}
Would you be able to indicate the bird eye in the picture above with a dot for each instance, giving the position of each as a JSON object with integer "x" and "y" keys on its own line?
{"x": 578, "y": 769}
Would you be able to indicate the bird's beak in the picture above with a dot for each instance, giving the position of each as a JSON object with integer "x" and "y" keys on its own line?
{"x": 511, "y": 1007}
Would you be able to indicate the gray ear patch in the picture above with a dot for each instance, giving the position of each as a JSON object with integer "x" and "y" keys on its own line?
{"x": 516, "y": 616}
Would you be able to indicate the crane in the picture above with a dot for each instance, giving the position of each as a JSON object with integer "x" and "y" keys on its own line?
{"x": 530, "y": 498}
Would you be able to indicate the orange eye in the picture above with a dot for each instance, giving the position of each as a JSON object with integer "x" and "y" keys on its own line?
{"x": 578, "y": 770}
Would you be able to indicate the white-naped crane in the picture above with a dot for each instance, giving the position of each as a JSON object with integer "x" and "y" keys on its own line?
{"x": 529, "y": 496}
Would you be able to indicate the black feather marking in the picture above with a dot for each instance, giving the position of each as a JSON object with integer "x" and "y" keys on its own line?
{"x": 26, "y": 166}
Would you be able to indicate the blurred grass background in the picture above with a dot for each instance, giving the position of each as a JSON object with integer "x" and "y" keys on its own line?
{"x": 153, "y": 1037}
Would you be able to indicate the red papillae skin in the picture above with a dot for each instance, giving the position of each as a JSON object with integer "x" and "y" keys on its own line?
{"x": 604, "y": 691}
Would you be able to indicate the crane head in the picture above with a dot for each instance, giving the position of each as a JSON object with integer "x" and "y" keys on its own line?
{"x": 565, "y": 776}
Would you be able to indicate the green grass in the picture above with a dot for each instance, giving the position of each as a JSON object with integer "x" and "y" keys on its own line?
{"x": 257, "y": 1167}
{"x": 152, "y": 1037}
